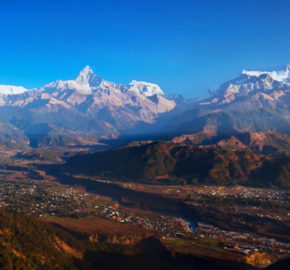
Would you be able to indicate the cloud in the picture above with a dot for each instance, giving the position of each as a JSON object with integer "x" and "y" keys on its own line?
{"x": 280, "y": 75}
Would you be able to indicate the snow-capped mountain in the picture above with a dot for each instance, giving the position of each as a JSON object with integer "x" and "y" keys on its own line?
{"x": 82, "y": 110}
{"x": 11, "y": 90}
{"x": 253, "y": 90}
{"x": 116, "y": 104}
{"x": 145, "y": 88}
{"x": 87, "y": 105}
{"x": 88, "y": 83}
{"x": 255, "y": 101}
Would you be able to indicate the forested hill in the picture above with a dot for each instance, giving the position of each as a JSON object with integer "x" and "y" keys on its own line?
{"x": 159, "y": 162}
{"x": 27, "y": 243}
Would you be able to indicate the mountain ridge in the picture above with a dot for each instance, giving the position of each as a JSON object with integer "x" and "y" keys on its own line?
{"x": 89, "y": 106}
{"x": 104, "y": 106}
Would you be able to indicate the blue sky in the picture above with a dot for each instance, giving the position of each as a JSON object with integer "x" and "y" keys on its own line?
{"x": 185, "y": 46}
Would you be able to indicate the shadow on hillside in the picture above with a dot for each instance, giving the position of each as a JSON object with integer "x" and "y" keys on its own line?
{"x": 154, "y": 255}
{"x": 280, "y": 265}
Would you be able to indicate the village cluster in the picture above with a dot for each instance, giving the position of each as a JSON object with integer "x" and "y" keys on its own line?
{"x": 40, "y": 199}
{"x": 165, "y": 225}
{"x": 243, "y": 242}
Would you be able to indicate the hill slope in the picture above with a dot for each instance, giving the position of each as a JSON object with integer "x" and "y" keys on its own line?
{"x": 265, "y": 142}
{"x": 161, "y": 161}
{"x": 27, "y": 243}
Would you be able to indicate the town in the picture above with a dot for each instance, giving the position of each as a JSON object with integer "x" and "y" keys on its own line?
{"x": 49, "y": 199}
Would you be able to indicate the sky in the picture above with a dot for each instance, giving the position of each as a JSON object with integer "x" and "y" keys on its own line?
{"x": 185, "y": 46}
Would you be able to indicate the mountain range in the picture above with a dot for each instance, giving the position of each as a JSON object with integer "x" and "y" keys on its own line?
{"x": 253, "y": 102}
{"x": 250, "y": 91}
{"x": 79, "y": 111}
{"x": 88, "y": 109}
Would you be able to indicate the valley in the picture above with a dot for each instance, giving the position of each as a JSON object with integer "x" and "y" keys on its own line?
{"x": 227, "y": 223}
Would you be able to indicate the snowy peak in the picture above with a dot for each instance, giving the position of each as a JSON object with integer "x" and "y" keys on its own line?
{"x": 253, "y": 81}
{"x": 87, "y": 77}
{"x": 85, "y": 83}
{"x": 280, "y": 75}
{"x": 145, "y": 88}
{"x": 85, "y": 74}
{"x": 253, "y": 89}
{"x": 86, "y": 71}
{"x": 88, "y": 83}
{"x": 11, "y": 90}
